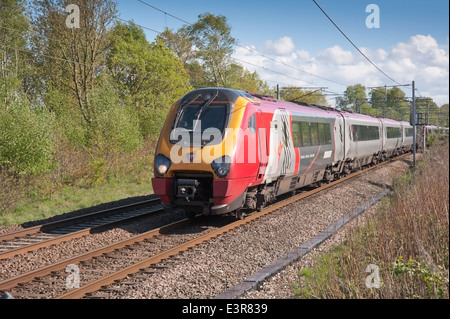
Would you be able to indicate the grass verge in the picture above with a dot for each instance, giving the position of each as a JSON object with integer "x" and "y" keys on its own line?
{"x": 401, "y": 252}
{"x": 80, "y": 180}
{"x": 72, "y": 198}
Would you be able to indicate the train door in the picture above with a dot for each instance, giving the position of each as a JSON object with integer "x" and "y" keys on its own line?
{"x": 339, "y": 138}
{"x": 263, "y": 155}
{"x": 273, "y": 159}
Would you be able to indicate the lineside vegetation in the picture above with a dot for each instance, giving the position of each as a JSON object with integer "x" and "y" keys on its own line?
{"x": 82, "y": 108}
{"x": 408, "y": 240}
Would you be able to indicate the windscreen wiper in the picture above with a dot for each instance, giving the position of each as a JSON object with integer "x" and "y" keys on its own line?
{"x": 183, "y": 107}
{"x": 204, "y": 106}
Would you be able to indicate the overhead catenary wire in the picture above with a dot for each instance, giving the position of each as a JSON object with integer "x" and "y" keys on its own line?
{"x": 286, "y": 64}
{"x": 247, "y": 48}
{"x": 184, "y": 21}
{"x": 235, "y": 59}
{"x": 124, "y": 71}
{"x": 270, "y": 70}
{"x": 354, "y": 45}
{"x": 144, "y": 27}
{"x": 73, "y": 62}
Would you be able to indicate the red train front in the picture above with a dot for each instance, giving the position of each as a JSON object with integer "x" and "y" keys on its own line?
{"x": 221, "y": 150}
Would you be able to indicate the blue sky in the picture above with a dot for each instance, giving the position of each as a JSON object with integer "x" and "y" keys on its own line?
{"x": 253, "y": 22}
{"x": 411, "y": 43}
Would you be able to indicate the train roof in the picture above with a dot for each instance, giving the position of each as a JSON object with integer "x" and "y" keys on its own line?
{"x": 269, "y": 101}
{"x": 320, "y": 110}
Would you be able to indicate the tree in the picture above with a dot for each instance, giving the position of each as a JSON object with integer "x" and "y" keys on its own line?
{"x": 354, "y": 99}
{"x": 149, "y": 77}
{"x": 182, "y": 47}
{"x": 14, "y": 32}
{"x": 240, "y": 78}
{"x": 303, "y": 96}
{"x": 71, "y": 59}
{"x": 27, "y": 142}
{"x": 444, "y": 114}
{"x": 445, "y": 108}
{"x": 179, "y": 43}
{"x": 397, "y": 106}
{"x": 378, "y": 98}
{"x": 211, "y": 36}
{"x": 390, "y": 103}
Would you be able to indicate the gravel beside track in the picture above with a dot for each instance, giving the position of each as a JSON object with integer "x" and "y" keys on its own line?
{"x": 218, "y": 265}
{"x": 45, "y": 256}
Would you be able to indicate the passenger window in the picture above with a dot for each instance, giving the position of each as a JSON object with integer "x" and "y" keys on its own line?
{"x": 314, "y": 133}
{"x": 306, "y": 137}
{"x": 296, "y": 134}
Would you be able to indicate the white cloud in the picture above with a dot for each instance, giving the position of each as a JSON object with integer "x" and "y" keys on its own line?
{"x": 420, "y": 58}
{"x": 283, "y": 46}
{"x": 336, "y": 55}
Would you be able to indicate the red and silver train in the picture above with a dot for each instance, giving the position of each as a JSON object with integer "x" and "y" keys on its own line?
{"x": 221, "y": 150}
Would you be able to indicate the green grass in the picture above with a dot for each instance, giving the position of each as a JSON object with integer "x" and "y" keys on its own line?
{"x": 72, "y": 198}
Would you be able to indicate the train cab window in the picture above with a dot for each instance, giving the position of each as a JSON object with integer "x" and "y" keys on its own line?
{"x": 197, "y": 117}
{"x": 252, "y": 124}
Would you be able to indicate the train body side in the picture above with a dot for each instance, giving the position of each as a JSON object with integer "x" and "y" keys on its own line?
{"x": 254, "y": 149}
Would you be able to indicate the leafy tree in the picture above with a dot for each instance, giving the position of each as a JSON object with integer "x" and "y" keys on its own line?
{"x": 354, "y": 99}
{"x": 304, "y": 96}
{"x": 71, "y": 59}
{"x": 397, "y": 106}
{"x": 390, "y": 103}
{"x": 378, "y": 98}
{"x": 116, "y": 126}
{"x": 445, "y": 108}
{"x": 182, "y": 47}
{"x": 444, "y": 115}
{"x": 148, "y": 75}
{"x": 179, "y": 43}
{"x": 14, "y": 32}
{"x": 240, "y": 78}
{"x": 211, "y": 36}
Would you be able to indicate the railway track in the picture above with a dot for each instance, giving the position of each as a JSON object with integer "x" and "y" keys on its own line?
{"x": 99, "y": 268}
{"x": 34, "y": 238}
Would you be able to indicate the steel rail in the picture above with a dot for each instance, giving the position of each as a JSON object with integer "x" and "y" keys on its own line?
{"x": 71, "y": 221}
{"x": 110, "y": 279}
{"x": 47, "y": 270}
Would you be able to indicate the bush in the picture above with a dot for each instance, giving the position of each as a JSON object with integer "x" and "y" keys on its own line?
{"x": 116, "y": 126}
{"x": 27, "y": 142}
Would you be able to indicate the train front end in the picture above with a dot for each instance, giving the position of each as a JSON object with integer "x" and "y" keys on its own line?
{"x": 194, "y": 163}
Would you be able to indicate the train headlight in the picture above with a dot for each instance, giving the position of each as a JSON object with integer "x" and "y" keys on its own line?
{"x": 162, "y": 164}
{"x": 221, "y": 166}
